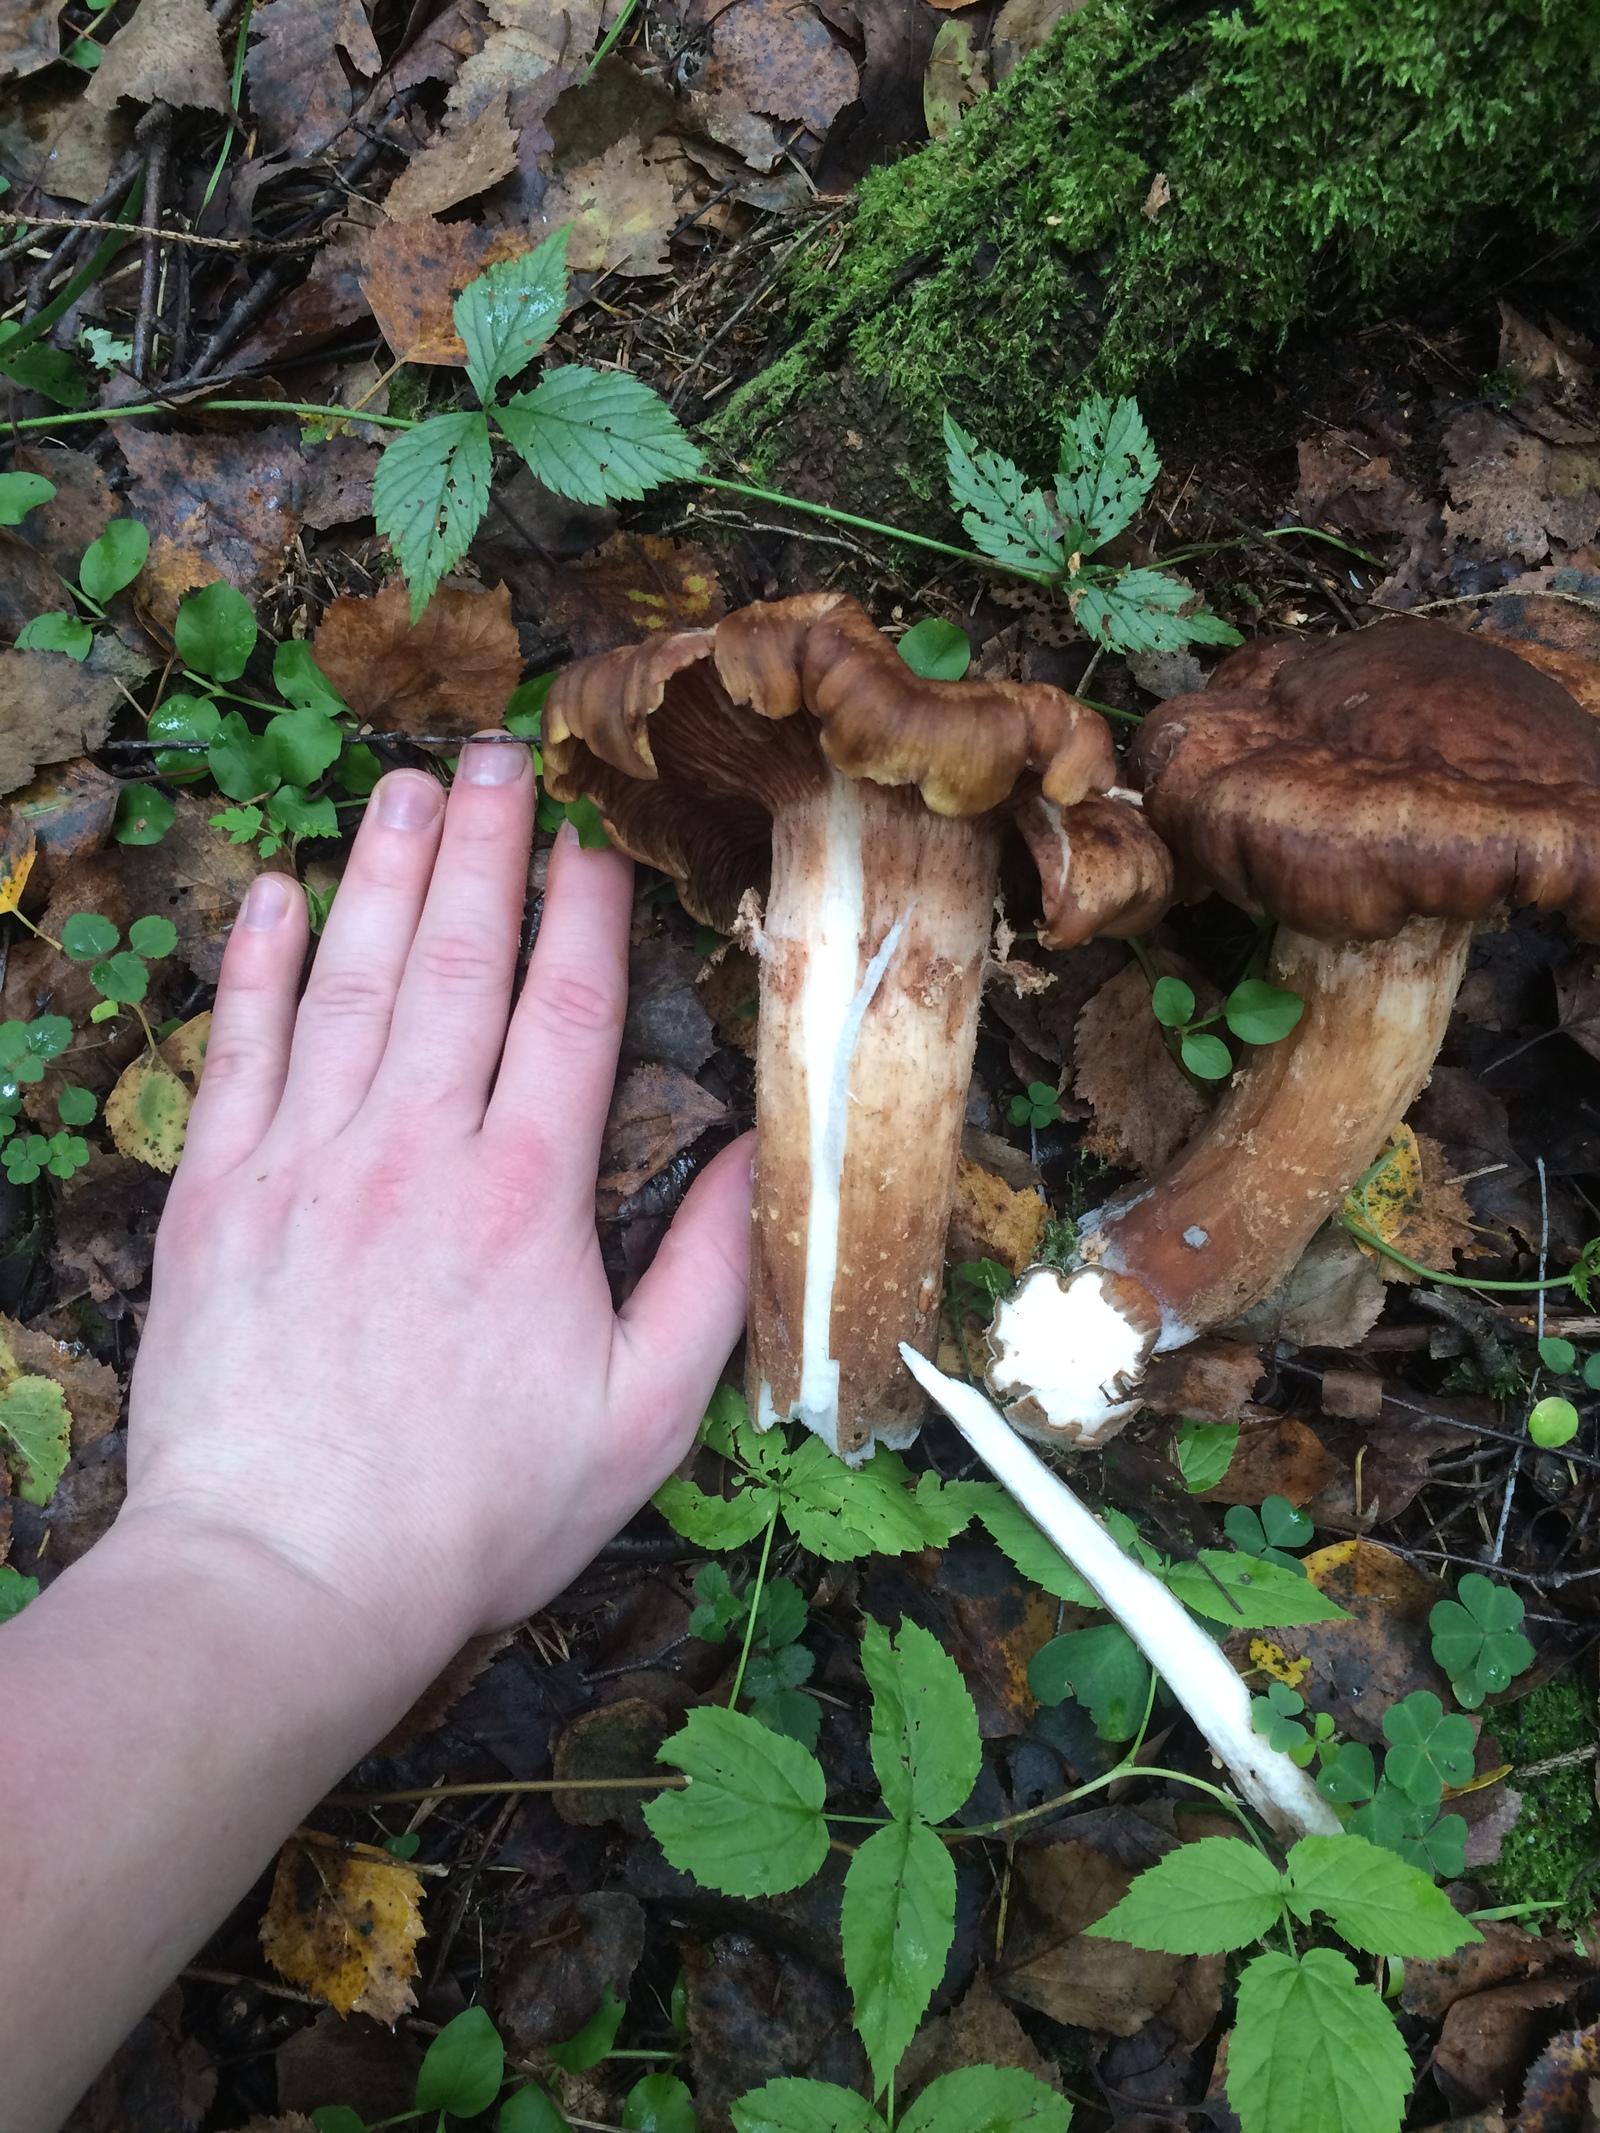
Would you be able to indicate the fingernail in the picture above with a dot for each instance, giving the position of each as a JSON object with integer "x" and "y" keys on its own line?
{"x": 408, "y": 799}
{"x": 493, "y": 763}
{"x": 269, "y": 902}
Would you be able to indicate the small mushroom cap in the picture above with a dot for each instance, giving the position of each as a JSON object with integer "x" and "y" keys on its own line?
{"x": 1404, "y": 771}
{"x": 1102, "y": 869}
{"x": 687, "y": 743}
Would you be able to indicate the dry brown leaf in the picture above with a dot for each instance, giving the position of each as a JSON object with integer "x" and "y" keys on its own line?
{"x": 1145, "y": 1105}
{"x": 29, "y": 585}
{"x": 1487, "y": 2041}
{"x": 1578, "y": 1000}
{"x": 656, "y": 1112}
{"x": 1096, "y": 1984}
{"x": 1563, "y": 2084}
{"x": 1504, "y": 1951}
{"x": 957, "y": 76}
{"x": 412, "y": 275}
{"x": 55, "y": 707}
{"x": 1332, "y": 1296}
{"x": 300, "y": 94}
{"x": 461, "y": 161}
{"x": 343, "y": 1923}
{"x": 1513, "y": 493}
{"x": 227, "y": 505}
{"x": 538, "y": 50}
{"x": 1279, "y": 1458}
{"x": 167, "y": 52}
{"x": 779, "y": 57}
{"x": 990, "y": 1221}
{"x": 29, "y": 37}
{"x": 730, "y": 988}
{"x": 1347, "y": 480}
{"x": 51, "y": 139}
{"x": 631, "y": 586}
{"x": 444, "y": 1691}
{"x": 195, "y": 877}
{"x": 329, "y": 300}
{"x": 105, "y": 1227}
{"x": 620, "y": 208}
{"x": 451, "y": 674}
{"x": 76, "y": 515}
{"x": 980, "y": 2030}
{"x": 1211, "y": 1380}
{"x": 339, "y": 482}
{"x": 438, "y": 52}
{"x": 618, "y": 1740}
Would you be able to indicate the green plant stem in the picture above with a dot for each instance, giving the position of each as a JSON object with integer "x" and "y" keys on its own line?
{"x": 238, "y": 83}
{"x": 607, "y": 43}
{"x": 754, "y": 1597}
{"x": 203, "y": 681}
{"x": 1131, "y": 718}
{"x": 164, "y": 407}
{"x": 1122, "y": 1770}
{"x": 1433, "y": 1273}
{"x": 871, "y": 525}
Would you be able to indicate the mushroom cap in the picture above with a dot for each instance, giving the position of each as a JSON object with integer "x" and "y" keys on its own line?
{"x": 687, "y": 743}
{"x": 1407, "y": 770}
{"x": 1102, "y": 869}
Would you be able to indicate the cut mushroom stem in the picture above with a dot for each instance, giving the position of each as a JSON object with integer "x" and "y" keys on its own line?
{"x": 871, "y": 971}
{"x": 1224, "y": 1226}
{"x": 1175, "y": 1645}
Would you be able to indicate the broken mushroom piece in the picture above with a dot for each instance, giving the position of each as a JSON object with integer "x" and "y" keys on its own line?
{"x": 792, "y": 751}
{"x": 1181, "y": 1652}
{"x": 1378, "y": 794}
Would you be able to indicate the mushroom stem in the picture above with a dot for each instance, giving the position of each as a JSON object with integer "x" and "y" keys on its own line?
{"x": 1179, "y": 1650}
{"x": 871, "y": 969}
{"x": 1300, "y": 1123}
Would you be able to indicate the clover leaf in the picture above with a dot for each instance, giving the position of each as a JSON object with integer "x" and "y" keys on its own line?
{"x": 1427, "y": 1750}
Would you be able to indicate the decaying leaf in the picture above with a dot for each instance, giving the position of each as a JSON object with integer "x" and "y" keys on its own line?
{"x": 779, "y": 57}
{"x": 461, "y": 161}
{"x": 570, "y": 1952}
{"x": 656, "y": 1113}
{"x": 1577, "y": 985}
{"x": 300, "y": 94}
{"x": 413, "y": 273}
{"x": 196, "y": 877}
{"x": 1487, "y": 2040}
{"x": 29, "y": 38}
{"x": 632, "y": 585}
{"x": 343, "y": 1923}
{"x": 62, "y": 528}
{"x": 17, "y": 848}
{"x": 1560, "y": 2091}
{"x": 185, "y": 1050}
{"x": 324, "y": 304}
{"x": 105, "y": 1226}
{"x": 1332, "y": 1296}
{"x": 991, "y": 1221}
{"x": 147, "y": 1113}
{"x": 70, "y": 809}
{"x": 1284, "y": 1457}
{"x": 730, "y": 987}
{"x": 980, "y": 2030}
{"x": 1513, "y": 493}
{"x": 230, "y": 503}
{"x": 957, "y": 76}
{"x": 620, "y": 208}
{"x": 618, "y": 1740}
{"x": 1415, "y": 1208}
{"x": 55, "y": 707}
{"x": 1145, "y": 1105}
{"x": 90, "y": 1388}
{"x": 452, "y": 673}
{"x": 1210, "y": 1380}
{"x": 167, "y": 52}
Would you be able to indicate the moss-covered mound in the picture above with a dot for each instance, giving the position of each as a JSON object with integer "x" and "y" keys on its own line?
{"x": 1318, "y": 156}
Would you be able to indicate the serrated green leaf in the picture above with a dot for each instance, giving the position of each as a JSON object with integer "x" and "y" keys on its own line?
{"x": 1375, "y": 1901}
{"x": 1103, "y": 1669}
{"x": 507, "y": 314}
{"x": 595, "y": 434}
{"x": 750, "y": 1823}
{"x": 843, "y": 1513}
{"x": 429, "y": 494}
{"x": 1014, "y": 1533}
{"x": 987, "y": 2099}
{"x": 35, "y": 1431}
{"x": 115, "y": 559}
{"x": 720, "y": 1522}
{"x": 463, "y": 2067}
{"x": 1139, "y": 612}
{"x": 1005, "y": 519}
{"x": 1204, "y": 1452}
{"x": 16, "y": 1591}
{"x": 215, "y": 631}
{"x": 896, "y": 1922}
{"x": 1107, "y": 467}
{"x": 1254, "y": 1594}
{"x": 1202, "y": 1899}
{"x": 1314, "y": 2050}
{"x": 796, "y": 2106}
{"x": 925, "y": 1745}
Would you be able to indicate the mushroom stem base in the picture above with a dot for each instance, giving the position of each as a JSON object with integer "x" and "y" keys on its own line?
{"x": 871, "y": 972}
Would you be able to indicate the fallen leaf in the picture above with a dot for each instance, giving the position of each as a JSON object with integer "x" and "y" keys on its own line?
{"x": 537, "y": 51}
{"x": 1023, "y": 26}
{"x": 1559, "y": 357}
{"x": 52, "y": 140}
{"x": 779, "y": 57}
{"x": 1577, "y": 983}
{"x": 369, "y": 2069}
{"x": 300, "y": 94}
{"x": 35, "y": 1431}
{"x": 105, "y": 1227}
{"x": 1210, "y": 1380}
{"x": 229, "y": 502}
{"x": 630, "y": 586}
{"x": 1531, "y": 618}
{"x": 568, "y": 1952}
{"x": 617, "y": 1740}
{"x": 17, "y": 848}
{"x": 445, "y": 1690}
{"x": 1096, "y": 1984}
{"x": 991, "y": 1221}
{"x": 757, "y": 2013}
{"x": 461, "y": 161}
{"x": 667, "y": 1022}
{"x": 1145, "y": 1105}
{"x": 730, "y": 987}
{"x": 1381, "y": 1652}
{"x": 1560, "y": 2091}
{"x": 957, "y": 76}
{"x": 70, "y": 809}
{"x": 196, "y": 877}
{"x": 656, "y": 1112}
{"x": 62, "y": 528}
{"x": 147, "y": 1113}
{"x": 55, "y": 707}
{"x": 168, "y": 53}
{"x": 980, "y": 2030}
{"x": 452, "y": 673}
{"x": 1487, "y": 2040}
{"x": 343, "y": 1923}
{"x": 1411, "y": 1205}
{"x": 91, "y": 1389}
{"x": 613, "y": 99}
{"x": 620, "y": 208}
{"x": 29, "y": 585}
{"x": 29, "y": 37}
{"x": 1513, "y": 493}
{"x": 158, "y": 2080}
{"x": 1330, "y": 1298}
{"x": 438, "y": 52}
{"x": 327, "y": 302}
{"x": 1503, "y": 1952}
{"x": 414, "y": 271}
{"x": 1347, "y": 480}
{"x": 1279, "y": 1458}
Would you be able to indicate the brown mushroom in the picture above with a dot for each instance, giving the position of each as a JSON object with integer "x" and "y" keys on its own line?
{"x": 791, "y": 751}
{"x": 1378, "y": 794}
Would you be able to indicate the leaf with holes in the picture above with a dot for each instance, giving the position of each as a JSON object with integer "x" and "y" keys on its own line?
{"x": 1005, "y": 519}
{"x": 925, "y": 1746}
{"x": 1106, "y": 469}
{"x": 429, "y": 494}
{"x": 507, "y": 314}
{"x": 595, "y": 435}
{"x": 750, "y": 1821}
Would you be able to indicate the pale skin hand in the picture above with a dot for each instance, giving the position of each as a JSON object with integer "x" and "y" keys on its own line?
{"x": 382, "y": 1402}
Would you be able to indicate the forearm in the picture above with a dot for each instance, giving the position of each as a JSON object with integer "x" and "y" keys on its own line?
{"x": 173, "y": 1702}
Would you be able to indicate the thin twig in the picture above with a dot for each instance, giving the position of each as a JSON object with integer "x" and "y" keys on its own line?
{"x": 147, "y": 229}
{"x": 156, "y": 129}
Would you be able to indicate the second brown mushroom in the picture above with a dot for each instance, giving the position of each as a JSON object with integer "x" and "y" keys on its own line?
{"x": 791, "y": 751}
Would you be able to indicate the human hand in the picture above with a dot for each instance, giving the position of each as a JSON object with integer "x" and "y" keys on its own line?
{"x": 380, "y": 1340}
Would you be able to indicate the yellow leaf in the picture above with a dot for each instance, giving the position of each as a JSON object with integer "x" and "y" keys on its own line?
{"x": 1271, "y": 1659}
{"x": 343, "y": 1923}
{"x": 1414, "y": 1207}
{"x": 16, "y": 858}
{"x": 1386, "y": 1200}
{"x": 185, "y": 1050}
{"x": 148, "y": 1113}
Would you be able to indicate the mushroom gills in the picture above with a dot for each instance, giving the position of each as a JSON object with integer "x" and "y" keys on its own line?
{"x": 871, "y": 967}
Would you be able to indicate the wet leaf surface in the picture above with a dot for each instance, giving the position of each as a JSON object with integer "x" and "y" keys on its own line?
{"x": 452, "y": 673}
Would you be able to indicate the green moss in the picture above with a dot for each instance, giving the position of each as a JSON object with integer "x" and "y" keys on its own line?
{"x": 1319, "y": 153}
{"x": 1554, "y": 1851}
